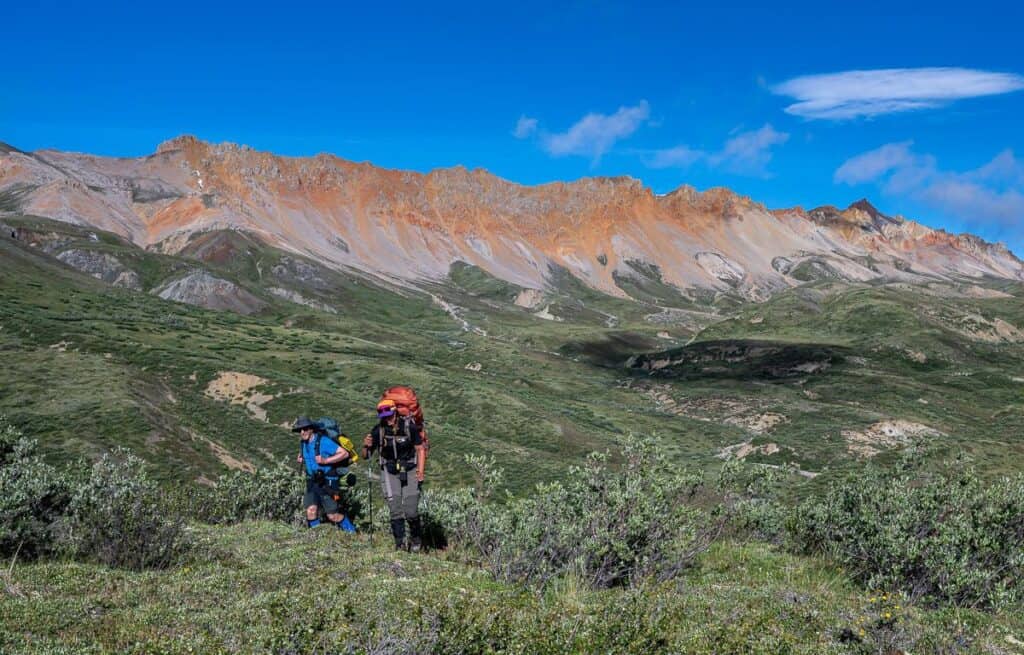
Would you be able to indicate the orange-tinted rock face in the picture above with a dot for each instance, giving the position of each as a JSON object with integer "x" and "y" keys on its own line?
{"x": 415, "y": 226}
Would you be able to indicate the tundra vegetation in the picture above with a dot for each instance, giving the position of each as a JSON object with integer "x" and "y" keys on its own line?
{"x": 833, "y": 470}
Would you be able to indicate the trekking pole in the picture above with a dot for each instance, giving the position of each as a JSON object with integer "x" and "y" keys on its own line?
{"x": 369, "y": 499}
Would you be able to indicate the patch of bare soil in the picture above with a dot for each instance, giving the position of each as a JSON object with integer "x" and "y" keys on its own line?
{"x": 885, "y": 435}
{"x": 744, "y": 449}
{"x": 759, "y": 423}
{"x": 977, "y": 327}
{"x": 740, "y": 413}
{"x": 240, "y": 389}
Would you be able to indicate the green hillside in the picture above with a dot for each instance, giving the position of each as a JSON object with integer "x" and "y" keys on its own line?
{"x": 90, "y": 366}
{"x": 792, "y": 555}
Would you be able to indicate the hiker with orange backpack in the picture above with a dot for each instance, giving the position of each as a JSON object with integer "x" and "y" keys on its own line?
{"x": 402, "y": 457}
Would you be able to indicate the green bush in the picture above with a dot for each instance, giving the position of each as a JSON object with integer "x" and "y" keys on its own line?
{"x": 268, "y": 494}
{"x": 945, "y": 536}
{"x": 607, "y": 525}
{"x": 120, "y": 517}
{"x": 33, "y": 495}
{"x": 749, "y": 494}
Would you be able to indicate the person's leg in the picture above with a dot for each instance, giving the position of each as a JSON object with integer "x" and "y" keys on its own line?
{"x": 392, "y": 491}
{"x": 311, "y": 502}
{"x": 411, "y": 509}
{"x": 330, "y": 499}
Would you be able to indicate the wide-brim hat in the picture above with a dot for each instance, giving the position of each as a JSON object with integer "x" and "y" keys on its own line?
{"x": 302, "y": 423}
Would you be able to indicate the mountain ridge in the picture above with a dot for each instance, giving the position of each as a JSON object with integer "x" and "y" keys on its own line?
{"x": 348, "y": 213}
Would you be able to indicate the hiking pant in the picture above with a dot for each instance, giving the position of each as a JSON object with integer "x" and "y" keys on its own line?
{"x": 322, "y": 495}
{"x": 403, "y": 498}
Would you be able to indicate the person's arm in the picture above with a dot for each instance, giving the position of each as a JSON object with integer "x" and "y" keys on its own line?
{"x": 340, "y": 455}
{"x": 369, "y": 444}
{"x": 421, "y": 462}
{"x": 421, "y": 452}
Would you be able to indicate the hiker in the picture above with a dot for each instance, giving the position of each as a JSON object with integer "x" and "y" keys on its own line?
{"x": 399, "y": 445}
{"x": 326, "y": 461}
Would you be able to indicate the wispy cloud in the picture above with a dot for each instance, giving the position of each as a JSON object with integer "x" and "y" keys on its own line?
{"x": 746, "y": 153}
{"x": 595, "y": 134}
{"x": 750, "y": 152}
{"x": 992, "y": 193}
{"x": 853, "y": 94}
{"x": 678, "y": 157}
{"x": 870, "y": 166}
{"x": 525, "y": 127}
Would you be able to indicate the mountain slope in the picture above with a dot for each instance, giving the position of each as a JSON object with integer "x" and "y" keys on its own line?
{"x": 608, "y": 232}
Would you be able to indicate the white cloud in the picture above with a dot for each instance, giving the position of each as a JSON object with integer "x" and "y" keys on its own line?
{"x": 851, "y": 94}
{"x": 595, "y": 134}
{"x": 746, "y": 153}
{"x": 993, "y": 192}
{"x": 750, "y": 152}
{"x": 525, "y": 127}
{"x": 976, "y": 202}
{"x": 873, "y": 164}
{"x": 678, "y": 157}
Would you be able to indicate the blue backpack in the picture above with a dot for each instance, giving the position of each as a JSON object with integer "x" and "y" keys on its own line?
{"x": 328, "y": 427}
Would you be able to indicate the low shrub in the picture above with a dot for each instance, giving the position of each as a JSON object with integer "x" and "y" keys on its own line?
{"x": 945, "y": 536}
{"x": 749, "y": 493}
{"x": 269, "y": 494}
{"x": 607, "y": 525}
{"x": 33, "y": 495}
{"x": 120, "y": 517}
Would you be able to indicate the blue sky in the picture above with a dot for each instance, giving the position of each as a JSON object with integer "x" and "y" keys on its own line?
{"x": 762, "y": 99}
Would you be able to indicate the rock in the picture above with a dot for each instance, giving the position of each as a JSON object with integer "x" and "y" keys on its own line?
{"x": 720, "y": 267}
{"x": 885, "y": 434}
{"x": 102, "y": 266}
{"x": 299, "y": 299}
{"x": 529, "y": 298}
{"x": 547, "y": 315}
{"x": 201, "y": 289}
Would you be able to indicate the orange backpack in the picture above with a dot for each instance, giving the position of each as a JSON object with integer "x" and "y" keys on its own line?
{"x": 408, "y": 405}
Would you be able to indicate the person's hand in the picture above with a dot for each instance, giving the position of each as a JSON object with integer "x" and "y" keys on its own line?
{"x": 419, "y": 476}
{"x": 320, "y": 460}
{"x": 298, "y": 458}
{"x": 368, "y": 441}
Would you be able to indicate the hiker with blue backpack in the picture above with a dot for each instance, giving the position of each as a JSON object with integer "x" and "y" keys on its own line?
{"x": 327, "y": 454}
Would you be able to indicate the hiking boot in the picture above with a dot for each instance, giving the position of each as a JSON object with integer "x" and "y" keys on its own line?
{"x": 398, "y": 532}
{"x": 415, "y": 535}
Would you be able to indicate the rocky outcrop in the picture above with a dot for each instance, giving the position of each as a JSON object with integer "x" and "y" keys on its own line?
{"x": 299, "y": 299}
{"x": 201, "y": 289}
{"x": 102, "y": 266}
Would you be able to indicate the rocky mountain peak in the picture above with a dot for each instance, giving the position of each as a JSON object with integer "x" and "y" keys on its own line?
{"x": 598, "y": 228}
{"x": 182, "y": 142}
